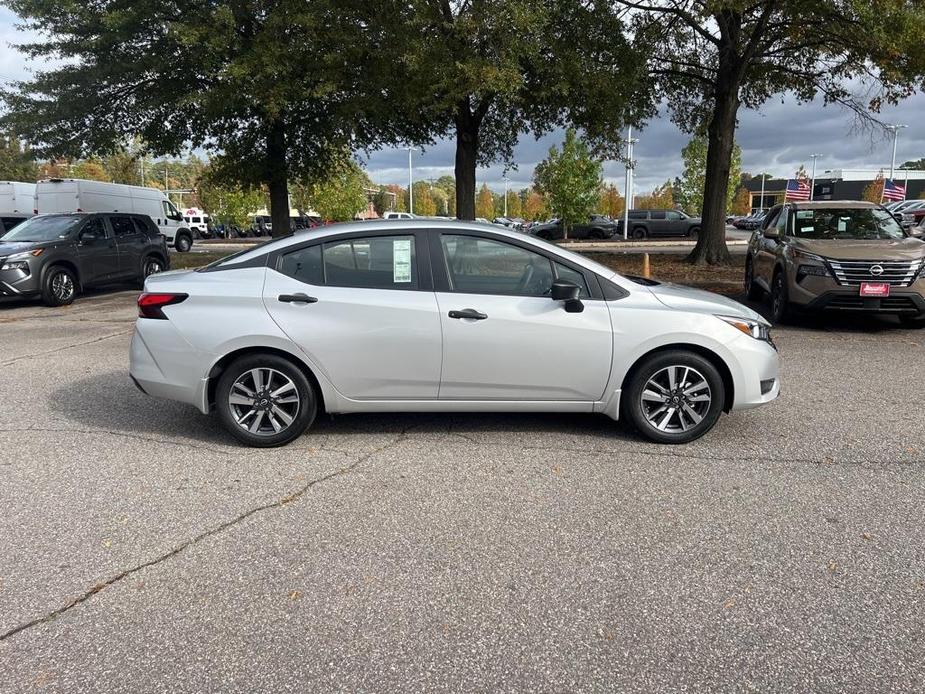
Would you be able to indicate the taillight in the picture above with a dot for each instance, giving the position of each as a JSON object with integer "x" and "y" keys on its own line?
{"x": 151, "y": 305}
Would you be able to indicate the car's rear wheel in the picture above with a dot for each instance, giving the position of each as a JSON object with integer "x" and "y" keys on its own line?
{"x": 639, "y": 233}
{"x": 183, "y": 243}
{"x": 151, "y": 265}
{"x": 265, "y": 400}
{"x": 695, "y": 233}
{"x": 752, "y": 290}
{"x": 780, "y": 300}
{"x": 674, "y": 396}
{"x": 59, "y": 286}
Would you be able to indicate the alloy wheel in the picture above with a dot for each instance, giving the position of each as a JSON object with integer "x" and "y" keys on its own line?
{"x": 264, "y": 401}
{"x": 62, "y": 286}
{"x": 152, "y": 267}
{"x": 676, "y": 399}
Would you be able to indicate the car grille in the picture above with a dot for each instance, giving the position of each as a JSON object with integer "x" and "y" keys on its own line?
{"x": 852, "y": 272}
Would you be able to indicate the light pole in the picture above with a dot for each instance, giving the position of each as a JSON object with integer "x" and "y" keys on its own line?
{"x": 410, "y": 183}
{"x": 812, "y": 185}
{"x": 628, "y": 192}
{"x": 761, "y": 209}
{"x": 507, "y": 182}
{"x": 895, "y": 128}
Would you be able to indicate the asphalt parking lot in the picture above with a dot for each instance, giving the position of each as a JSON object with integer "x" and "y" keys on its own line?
{"x": 143, "y": 550}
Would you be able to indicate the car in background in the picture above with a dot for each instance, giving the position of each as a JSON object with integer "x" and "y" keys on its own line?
{"x": 751, "y": 222}
{"x": 17, "y": 204}
{"x": 198, "y": 222}
{"x": 67, "y": 195}
{"x": 836, "y": 256}
{"x": 653, "y": 224}
{"x": 56, "y": 256}
{"x": 397, "y": 215}
{"x": 429, "y": 316}
{"x": 598, "y": 226}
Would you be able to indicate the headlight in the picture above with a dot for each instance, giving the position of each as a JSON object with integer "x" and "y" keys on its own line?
{"x": 15, "y": 265}
{"x": 753, "y": 328}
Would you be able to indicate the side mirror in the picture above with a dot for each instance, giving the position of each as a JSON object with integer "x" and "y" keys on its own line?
{"x": 771, "y": 233}
{"x": 898, "y": 216}
{"x": 568, "y": 292}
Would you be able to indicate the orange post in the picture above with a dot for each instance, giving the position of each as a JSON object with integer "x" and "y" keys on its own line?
{"x": 645, "y": 265}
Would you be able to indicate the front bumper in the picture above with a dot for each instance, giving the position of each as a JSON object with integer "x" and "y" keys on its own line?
{"x": 903, "y": 303}
{"x": 19, "y": 283}
{"x": 755, "y": 372}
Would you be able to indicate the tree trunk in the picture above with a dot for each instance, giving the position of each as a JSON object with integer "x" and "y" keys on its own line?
{"x": 467, "y": 148}
{"x": 711, "y": 245}
{"x": 278, "y": 178}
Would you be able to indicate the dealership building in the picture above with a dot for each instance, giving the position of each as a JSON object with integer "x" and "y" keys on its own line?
{"x": 835, "y": 184}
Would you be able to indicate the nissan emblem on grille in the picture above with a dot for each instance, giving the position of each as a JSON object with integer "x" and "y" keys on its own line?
{"x": 876, "y": 270}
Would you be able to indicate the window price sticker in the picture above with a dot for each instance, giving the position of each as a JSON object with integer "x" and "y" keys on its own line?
{"x": 401, "y": 260}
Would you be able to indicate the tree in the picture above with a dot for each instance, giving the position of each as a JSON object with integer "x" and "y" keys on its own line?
{"x": 661, "y": 198}
{"x": 272, "y": 85}
{"x": 914, "y": 165}
{"x": 513, "y": 204}
{"x": 16, "y": 161}
{"x": 535, "y": 206}
{"x": 708, "y": 58}
{"x": 485, "y": 205}
{"x": 571, "y": 179}
{"x": 448, "y": 185}
{"x": 441, "y": 200}
{"x": 689, "y": 190}
{"x": 229, "y": 204}
{"x": 486, "y": 72}
{"x": 742, "y": 202}
{"x": 337, "y": 198}
{"x": 873, "y": 191}
{"x": 424, "y": 204}
{"x": 611, "y": 202}
{"x": 382, "y": 201}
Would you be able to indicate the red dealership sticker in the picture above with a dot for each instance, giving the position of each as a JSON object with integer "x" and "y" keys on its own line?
{"x": 875, "y": 289}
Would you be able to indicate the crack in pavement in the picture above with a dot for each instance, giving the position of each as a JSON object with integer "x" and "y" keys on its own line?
{"x": 279, "y": 503}
{"x": 65, "y": 347}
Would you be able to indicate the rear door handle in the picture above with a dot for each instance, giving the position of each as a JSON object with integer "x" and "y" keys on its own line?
{"x": 469, "y": 313}
{"x": 297, "y": 299}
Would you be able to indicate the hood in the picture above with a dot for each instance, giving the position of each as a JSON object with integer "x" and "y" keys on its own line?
{"x": 683, "y": 298}
{"x": 884, "y": 249}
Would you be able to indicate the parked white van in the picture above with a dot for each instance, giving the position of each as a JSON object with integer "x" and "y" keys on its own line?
{"x": 17, "y": 203}
{"x": 77, "y": 195}
{"x": 198, "y": 221}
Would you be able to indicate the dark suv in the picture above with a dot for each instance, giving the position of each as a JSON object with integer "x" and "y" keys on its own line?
{"x": 57, "y": 255}
{"x": 837, "y": 256}
{"x": 597, "y": 227}
{"x": 654, "y": 224}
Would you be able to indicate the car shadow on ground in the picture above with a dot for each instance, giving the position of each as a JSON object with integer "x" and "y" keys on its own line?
{"x": 11, "y": 302}
{"x": 111, "y": 402}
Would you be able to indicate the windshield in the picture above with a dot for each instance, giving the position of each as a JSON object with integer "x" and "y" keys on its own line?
{"x": 863, "y": 224}
{"x": 39, "y": 229}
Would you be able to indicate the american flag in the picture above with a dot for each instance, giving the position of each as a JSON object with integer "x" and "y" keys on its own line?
{"x": 797, "y": 189}
{"x": 893, "y": 191}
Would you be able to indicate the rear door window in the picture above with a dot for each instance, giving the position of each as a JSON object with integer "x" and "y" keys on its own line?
{"x": 657, "y": 215}
{"x": 379, "y": 262}
{"x": 122, "y": 226}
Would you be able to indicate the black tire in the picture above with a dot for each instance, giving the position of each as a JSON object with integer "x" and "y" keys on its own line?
{"x": 59, "y": 286}
{"x": 680, "y": 426}
{"x": 752, "y": 290}
{"x": 780, "y": 300}
{"x": 183, "y": 242}
{"x": 597, "y": 234}
{"x": 150, "y": 265}
{"x": 640, "y": 233}
{"x": 694, "y": 233}
{"x": 302, "y": 416}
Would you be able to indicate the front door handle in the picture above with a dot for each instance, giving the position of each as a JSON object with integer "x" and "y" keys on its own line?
{"x": 297, "y": 299}
{"x": 470, "y": 313}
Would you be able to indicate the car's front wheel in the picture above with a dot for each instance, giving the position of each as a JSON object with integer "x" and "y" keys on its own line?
{"x": 264, "y": 400}
{"x": 639, "y": 233}
{"x": 674, "y": 396}
{"x": 59, "y": 286}
{"x": 780, "y": 299}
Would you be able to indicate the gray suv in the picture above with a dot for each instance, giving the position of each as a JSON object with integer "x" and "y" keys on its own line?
{"x": 55, "y": 256}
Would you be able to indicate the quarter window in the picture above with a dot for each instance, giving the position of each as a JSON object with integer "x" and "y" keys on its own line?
{"x": 483, "y": 266}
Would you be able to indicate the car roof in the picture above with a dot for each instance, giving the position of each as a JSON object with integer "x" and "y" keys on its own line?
{"x": 400, "y": 225}
{"x": 835, "y": 205}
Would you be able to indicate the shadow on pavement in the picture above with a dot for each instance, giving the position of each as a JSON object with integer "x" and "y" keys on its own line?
{"x": 7, "y": 302}
{"x": 111, "y": 402}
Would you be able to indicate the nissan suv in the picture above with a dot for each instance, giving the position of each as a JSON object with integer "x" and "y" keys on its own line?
{"x": 55, "y": 256}
{"x": 837, "y": 256}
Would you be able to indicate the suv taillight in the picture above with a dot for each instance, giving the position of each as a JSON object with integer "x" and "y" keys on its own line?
{"x": 151, "y": 305}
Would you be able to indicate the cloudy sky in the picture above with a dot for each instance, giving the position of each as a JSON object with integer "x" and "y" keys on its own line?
{"x": 776, "y": 139}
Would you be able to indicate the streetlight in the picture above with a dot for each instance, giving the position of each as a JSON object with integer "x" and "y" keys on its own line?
{"x": 628, "y": 193}
{"x": 895, "y": 128}
{"x": 812, "y": 185}
{"x": 507, "y": 182}
{"x": 410, "y": 183}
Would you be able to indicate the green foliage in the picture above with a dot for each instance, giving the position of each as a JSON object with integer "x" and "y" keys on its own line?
{"x": 16, "y": 161}
{"x": 571, "y": 180}
{"x": 229, "y": 204}
{"x": 485, "y": 203}
{"x": 337, "y": 198}
{"x": 689, "y": 192}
